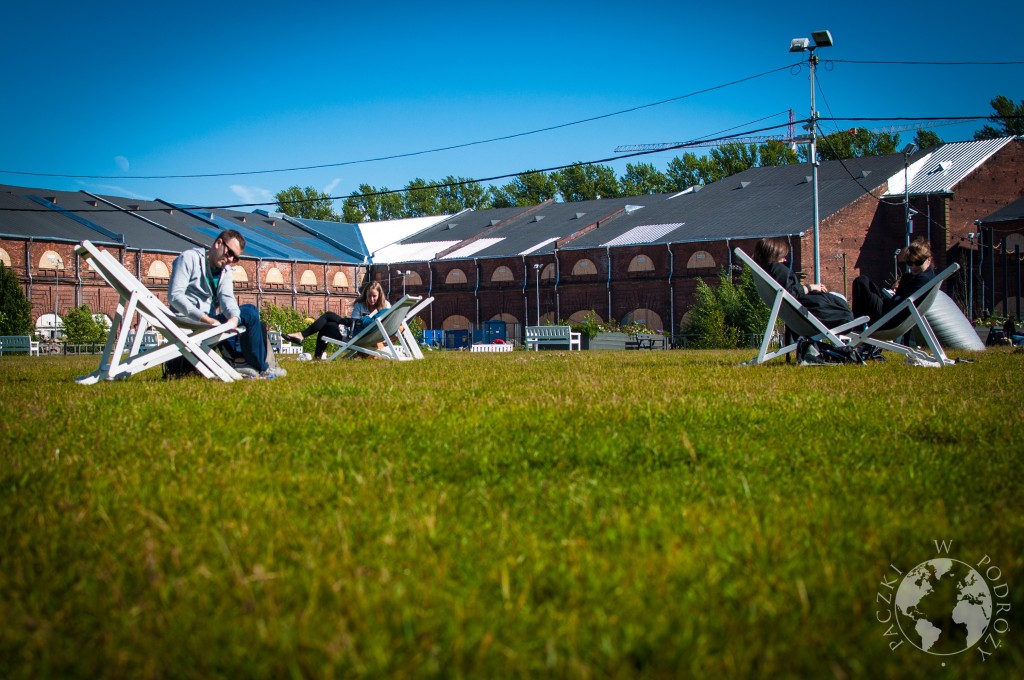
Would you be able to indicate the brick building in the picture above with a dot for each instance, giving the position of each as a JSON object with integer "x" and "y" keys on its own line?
{"x": 627, "y": 259}
{"x": 640, "y": 258}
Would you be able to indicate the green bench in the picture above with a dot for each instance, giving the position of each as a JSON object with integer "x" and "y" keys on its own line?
{"x": 18, "y": 344}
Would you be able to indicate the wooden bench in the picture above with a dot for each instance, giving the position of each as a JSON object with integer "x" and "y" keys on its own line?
{"x": 561, "y": 336}
{"x": 480, "y": 347}
{"x": 19, "y": 344}
{"x": 646, "y": 341}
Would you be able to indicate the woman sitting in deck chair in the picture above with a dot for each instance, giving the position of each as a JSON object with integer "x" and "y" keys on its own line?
{"x": 331, "y": 325}
{"x": 830, "y": 308}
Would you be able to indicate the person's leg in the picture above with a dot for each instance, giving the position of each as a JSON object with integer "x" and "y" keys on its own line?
{"x": 867, "y": 298}
{"x": 330, "y": 330}
{"x": 324, "y": 320}
{"x": 253, "y": 345}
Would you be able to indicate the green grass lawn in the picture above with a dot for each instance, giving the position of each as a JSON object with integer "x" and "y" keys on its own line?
{"x": 585, "y": 514}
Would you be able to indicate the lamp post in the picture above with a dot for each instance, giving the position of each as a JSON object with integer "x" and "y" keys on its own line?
{"x": 896, "y": 266}
{"x": 821, "y": 39}
{"x": 908, "y": 151}
{"x": 403, "y": 275}
{"x": 536, "y": 271}
{"x": 970, "y": 280}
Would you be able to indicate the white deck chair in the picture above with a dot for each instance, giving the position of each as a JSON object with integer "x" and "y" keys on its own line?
{"x": 917, "y": 306}
{"x": 800, "y": 321}
{"x": 137, "y": 305}
{"x": 387, "y": 324}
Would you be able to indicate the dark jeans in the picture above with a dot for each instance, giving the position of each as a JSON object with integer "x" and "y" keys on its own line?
{"x": 251, "y": 344}
{"x": 329, "y": 325}
{"x": 869, "y": 300}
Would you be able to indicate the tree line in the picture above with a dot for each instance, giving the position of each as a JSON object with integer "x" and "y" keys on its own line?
{"x": 579, "y": 182}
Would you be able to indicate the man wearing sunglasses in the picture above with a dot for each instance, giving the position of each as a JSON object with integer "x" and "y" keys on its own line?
{"x": 202, "y": 289}
{"x": 868, "y": 298}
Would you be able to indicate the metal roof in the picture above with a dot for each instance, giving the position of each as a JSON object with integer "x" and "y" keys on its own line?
{"x": 942, "y": 169}
{"x": 1014, "y": 211}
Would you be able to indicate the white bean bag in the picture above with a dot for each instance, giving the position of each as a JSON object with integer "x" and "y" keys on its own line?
{"x": 951, "y": 327}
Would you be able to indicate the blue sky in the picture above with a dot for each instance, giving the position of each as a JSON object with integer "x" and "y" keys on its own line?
{"x": 126, "y": 89}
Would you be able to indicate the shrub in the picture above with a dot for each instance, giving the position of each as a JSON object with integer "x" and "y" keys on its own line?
{"x": 15, "y": 309}
{"x": 722, "y": 317}
{"x": 82, "y": 327}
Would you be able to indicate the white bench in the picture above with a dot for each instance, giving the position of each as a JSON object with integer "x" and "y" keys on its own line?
{"x": 536, "y": 336}
{"x": 493, "y": 347}
{"x": 19, "y": 344}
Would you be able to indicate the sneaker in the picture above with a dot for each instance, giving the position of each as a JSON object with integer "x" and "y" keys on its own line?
{"x": 247, "y": 372}
{"x": 273, "y": 372}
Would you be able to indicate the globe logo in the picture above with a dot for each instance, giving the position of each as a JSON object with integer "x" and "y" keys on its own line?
{"x": 943, "y": 606}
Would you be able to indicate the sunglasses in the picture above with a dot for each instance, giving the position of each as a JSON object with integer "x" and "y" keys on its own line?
{"x": 232, "y": 255}
{"x": 916, "y": 263}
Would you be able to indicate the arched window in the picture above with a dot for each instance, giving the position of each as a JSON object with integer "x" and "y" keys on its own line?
{"x": 413, "y": 279}
{"x": 502, "y": 273}
{"x": 583, "y": 268}
{"x": 340, "y": 280}
{"x": 51, "y": 259}
{"x": 274, "y": 276}
{"x": 455, "y": 276}
{"x": 308, "y": 278}
{"x": 507, "y": 318}
{"x": 647, "y": 317}
{"x": 455, "y": 322}
{"x": 700, "y": 260}
{"x": 581, "y": 316}
{"x": 239, "y": 274}
{"x": 548, "y": 273}
{"x": 5, "y": 257}
{"x": 641, "y": 263}
{"x": 158, "y": 270}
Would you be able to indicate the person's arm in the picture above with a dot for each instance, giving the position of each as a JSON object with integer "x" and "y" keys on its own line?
{"x": 183, "y": 271}
{"x": 226, "y": 296}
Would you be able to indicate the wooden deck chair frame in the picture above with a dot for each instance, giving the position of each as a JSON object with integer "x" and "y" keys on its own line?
{"x": 137, "y": 305}
{"x": 917, "y": 304}
{"x": 800, "y": 321}
{"x": 387, "y": 324}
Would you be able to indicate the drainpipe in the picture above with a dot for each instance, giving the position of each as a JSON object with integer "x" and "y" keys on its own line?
{"x": 728, "y": 253}
{"x": 430, "y": 272}
{"x": 28, "y": 266}
{"x": 526, "y": 303}
{"x": 558, "y": 294}
{"x": 327, "y": 288}
{"x": 476, "y": 291}
{"x": 259, "y": 283}
{"x": 295, "y": 287}
{"x": 608, "y": 285}
{"x": 671, "y": 295}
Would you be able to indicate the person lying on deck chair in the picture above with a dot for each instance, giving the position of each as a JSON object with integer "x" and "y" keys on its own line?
{"x": 202, "y": 289}
{"x": 329, "y": 324}
{"x": 830, "y": 308}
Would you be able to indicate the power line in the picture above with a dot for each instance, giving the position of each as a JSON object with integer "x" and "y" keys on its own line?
{"x": 411, "y": 153}
{"x": 926, "y": 63}
{"x": 462, "y": 182}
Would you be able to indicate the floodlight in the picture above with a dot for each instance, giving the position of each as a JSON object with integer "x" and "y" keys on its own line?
{"x": 822, "y": 38}
{"x": 799, "y": 45}
{"x": 910, "y": 149}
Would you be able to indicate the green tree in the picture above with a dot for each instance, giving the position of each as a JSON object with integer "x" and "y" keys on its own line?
{"x": 459, "y": 193}
{"x": 528, "y": 188}
{"x": 855, "y": 143}
{"x": 308, "y": 203}
{"x": 688, "y": 170}
{"x": 926, "y": 139}
{"x": 81, "y": 327}
{"x": 725, "y": 316}
{"x": 1008, "y": 117}
{"x": 775, "y": 152}
{"x": 15, "y": 309}
{"x": 730, "y": 159}
{"x": 643, "y": 179}
{"x": 581, "y": 182}
{"x": 370, "y": 204}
